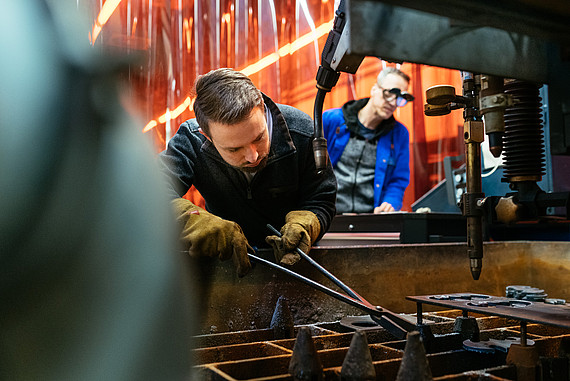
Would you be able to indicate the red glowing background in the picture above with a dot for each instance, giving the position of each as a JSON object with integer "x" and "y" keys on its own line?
{"x": 278, "y": 45}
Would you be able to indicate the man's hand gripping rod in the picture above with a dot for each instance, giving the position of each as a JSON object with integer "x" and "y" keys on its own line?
{"x": 393, "y": 323}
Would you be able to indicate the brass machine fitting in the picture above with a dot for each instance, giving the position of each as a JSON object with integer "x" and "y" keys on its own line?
{"x": 473, "y": 131}
{"x": 440, "y": 101}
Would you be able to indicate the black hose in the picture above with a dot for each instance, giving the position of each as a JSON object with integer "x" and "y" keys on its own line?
{"x": 319, "y": 142}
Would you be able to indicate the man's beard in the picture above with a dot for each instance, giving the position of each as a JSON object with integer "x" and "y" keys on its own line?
{"x": 257, "y": 168}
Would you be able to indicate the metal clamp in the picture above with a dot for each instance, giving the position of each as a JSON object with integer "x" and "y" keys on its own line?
{"x": 471, "y": 204}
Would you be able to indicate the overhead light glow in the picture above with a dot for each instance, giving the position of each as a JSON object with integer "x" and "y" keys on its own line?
{"x": 104, "y": 14}
{"x": 266, "y": 61}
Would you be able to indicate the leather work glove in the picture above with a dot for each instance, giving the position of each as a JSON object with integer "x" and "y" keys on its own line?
{"x": 301, "y": 229}
{"x": 208, "y": 235}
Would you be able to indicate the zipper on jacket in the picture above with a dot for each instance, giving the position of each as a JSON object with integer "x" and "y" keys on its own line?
{"x": 248, "y": 183}
{"x": 249, "y": 196}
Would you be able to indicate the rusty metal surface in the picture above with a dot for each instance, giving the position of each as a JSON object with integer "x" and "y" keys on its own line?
{"x": 523, "y": 310}
{"x": 383, "y": 275}
{"x": 446, "y": 360}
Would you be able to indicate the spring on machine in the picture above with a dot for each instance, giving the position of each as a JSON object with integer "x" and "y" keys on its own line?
{"x": 523, "y": 141}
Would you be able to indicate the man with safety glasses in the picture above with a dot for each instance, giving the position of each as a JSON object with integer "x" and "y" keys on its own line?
{"x": 369, "y": 149}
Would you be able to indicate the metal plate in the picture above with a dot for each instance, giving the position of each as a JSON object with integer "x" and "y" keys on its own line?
{"x": 363, "y": 323}
{"x": 535, "y": 312}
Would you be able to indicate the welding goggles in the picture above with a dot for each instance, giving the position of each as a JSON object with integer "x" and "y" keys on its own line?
{"x": 402, "y": 97}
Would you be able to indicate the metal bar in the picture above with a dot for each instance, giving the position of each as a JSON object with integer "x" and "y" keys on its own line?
{"x": 337, "y": 295}
{"x": 419, "y": 317}
{"x": 523, "y": 333}
{"x": 474, "y": 222}
{"x": 391, "y": 326}
{"x": 393, "y": 323}
{"x": 324, "y": 271}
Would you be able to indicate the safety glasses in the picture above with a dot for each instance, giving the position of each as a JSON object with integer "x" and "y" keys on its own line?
{"x": 402, "y": 97}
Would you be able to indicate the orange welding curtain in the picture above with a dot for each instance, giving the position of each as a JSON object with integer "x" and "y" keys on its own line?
{"x": 278, "y": 44}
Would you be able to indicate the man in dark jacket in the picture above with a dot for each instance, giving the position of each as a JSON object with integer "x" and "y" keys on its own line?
{"x": 252, "y": 161}
{"x": 369, "y": 149}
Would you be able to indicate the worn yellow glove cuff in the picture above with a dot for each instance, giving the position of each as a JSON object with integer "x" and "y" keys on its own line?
{"x": 301, "y": 229}
{"x": 207, "y": 235}
{"x": 303, "y": 219}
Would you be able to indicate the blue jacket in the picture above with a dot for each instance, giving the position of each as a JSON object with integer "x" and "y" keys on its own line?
{"x": 392, "y": 174}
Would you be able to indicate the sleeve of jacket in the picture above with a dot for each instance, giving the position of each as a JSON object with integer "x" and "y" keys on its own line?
{"x": 177, "y": 161}
{"x": 332, "y": 120}
{"x": 398, "y": 182}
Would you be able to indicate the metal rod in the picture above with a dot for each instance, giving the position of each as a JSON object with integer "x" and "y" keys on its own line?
{"x": 337, "y": 295}
{"x": 474, "y": 223}
{"x": 393, "y": 323}
{"x": 324, "y": 271}
{"x": 523, "y": 333}
{"x": 419, "y": 313}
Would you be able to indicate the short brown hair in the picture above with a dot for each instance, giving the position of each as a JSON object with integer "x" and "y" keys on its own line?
{"x": 224, "y": 96}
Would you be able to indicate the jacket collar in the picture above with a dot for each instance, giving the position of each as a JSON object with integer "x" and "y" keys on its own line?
{"x": 281, "y": 142}
{"x": 350, "y": 111}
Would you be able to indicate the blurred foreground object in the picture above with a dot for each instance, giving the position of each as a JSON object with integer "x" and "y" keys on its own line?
{"x": 90, "y": 283}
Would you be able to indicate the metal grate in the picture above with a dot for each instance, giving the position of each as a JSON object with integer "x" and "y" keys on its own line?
{"x": 256, "y": 355}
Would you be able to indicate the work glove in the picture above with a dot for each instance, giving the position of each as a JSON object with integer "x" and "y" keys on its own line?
{"x": 207, "y": 235}
{"x": 301, "y": 229}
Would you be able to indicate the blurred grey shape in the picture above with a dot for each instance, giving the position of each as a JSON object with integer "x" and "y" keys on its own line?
{"x": 92, "y": 287}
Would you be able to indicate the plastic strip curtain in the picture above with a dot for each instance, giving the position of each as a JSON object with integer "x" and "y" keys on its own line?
{"x": 277, "y": 43}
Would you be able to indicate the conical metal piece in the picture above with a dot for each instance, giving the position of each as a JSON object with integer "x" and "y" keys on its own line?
{"x": 282, "y": 320}
{"x": 414, "y": 366}
{"x": 305, "y": 364}
{"x": 357, "y": 364}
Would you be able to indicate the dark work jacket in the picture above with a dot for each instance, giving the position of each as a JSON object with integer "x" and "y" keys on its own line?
{"x": 288, "y": 182}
